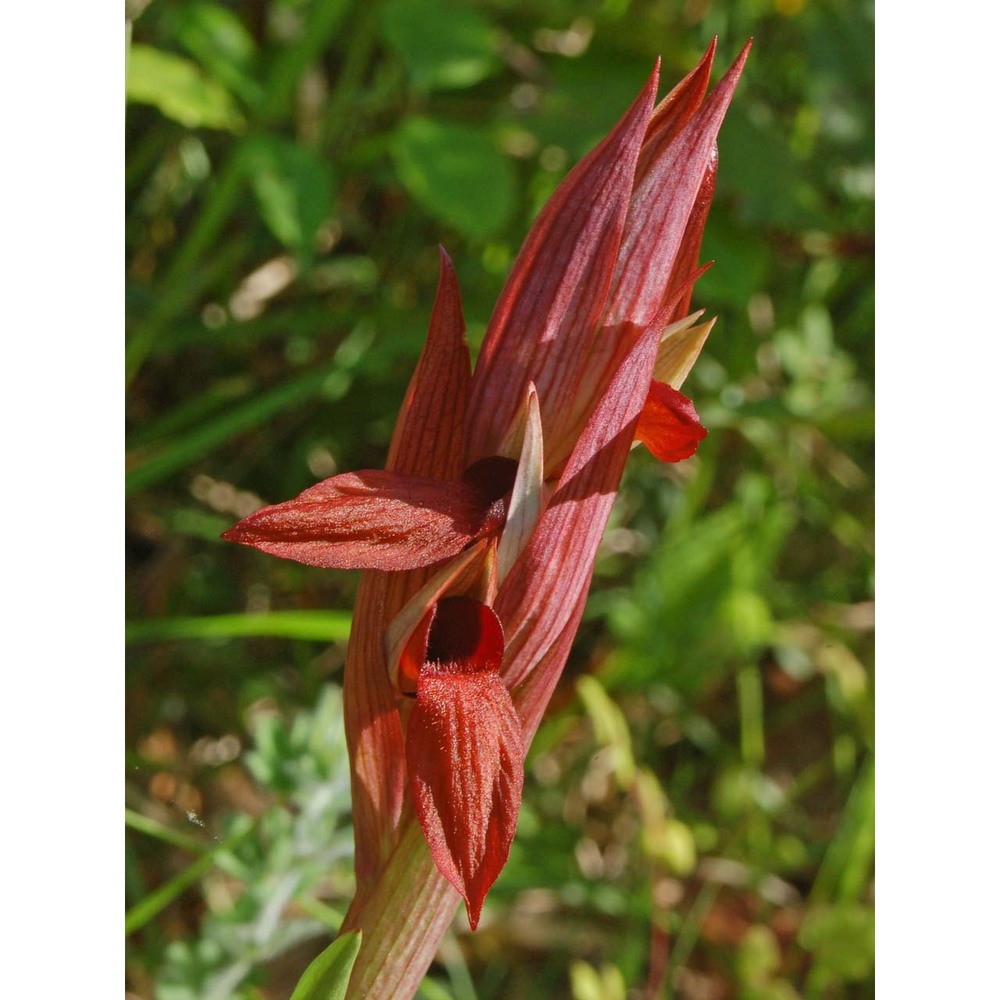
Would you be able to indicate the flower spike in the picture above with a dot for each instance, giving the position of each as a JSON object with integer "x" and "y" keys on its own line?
{"x": 477, "y": 543}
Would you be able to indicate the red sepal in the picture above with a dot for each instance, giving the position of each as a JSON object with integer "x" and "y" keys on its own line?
{"x": 668, "y": 425}
{"x": 547, "y": 320}
{"x": 371, "y": 520}
{"x": 429, "y": 433}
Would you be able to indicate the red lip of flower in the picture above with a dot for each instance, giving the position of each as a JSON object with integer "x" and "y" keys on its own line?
{"x": 482, "y": 531}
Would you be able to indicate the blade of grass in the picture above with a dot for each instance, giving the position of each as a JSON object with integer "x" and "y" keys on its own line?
{"x": 160, "y": 898}
{"x": 325, "y": 16}
{"x": 844, "y": 872}
{"x": 299, "y": 319}
{"x": 153, "y": 828}
{"x": 321, "y": 911}
{"x": 315, "y": 626}
{"x": 191, "y": 412}
{"x": 175, "y": 293}
{"x": 203, "y": 439}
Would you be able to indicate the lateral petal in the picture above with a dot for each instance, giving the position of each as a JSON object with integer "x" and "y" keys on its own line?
{"x": 668, "y": 425}
{"x": 465, "y": 758}
{"x": 369, "y": 520}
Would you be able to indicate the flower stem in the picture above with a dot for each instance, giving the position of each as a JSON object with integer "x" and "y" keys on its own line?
{"x": 402, "y": 921}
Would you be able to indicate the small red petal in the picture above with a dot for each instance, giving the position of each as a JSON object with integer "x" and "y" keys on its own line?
{"x": 465, "y": 758}
{"x": 669, "y": 425}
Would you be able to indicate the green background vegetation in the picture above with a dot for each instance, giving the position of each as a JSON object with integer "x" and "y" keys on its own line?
{"x": 698, "y": 817}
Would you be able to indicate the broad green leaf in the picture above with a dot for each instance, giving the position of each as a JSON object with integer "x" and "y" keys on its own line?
{"x": 220, "y": 42}
{"x": 180, "y": 90}
{"x": 294, "y": 189}
{"x": 456, "y": 173}
{"x": 328, "y": 974}
{"x": 444, "y": 45}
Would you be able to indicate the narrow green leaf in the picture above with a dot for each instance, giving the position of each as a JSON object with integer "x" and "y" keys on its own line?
{"x": 314, "y": 626}
{"x": 153, "y": 828}
{"x": 324, "y": 18}
{"x": 294, "y": 189}
{"x": 180, "y": 90}
{"x": 200, "y": 441}
{"x": 328, "y": 974}
{"x": 610, "y": 728}
{"x": 146, "y": 909}
{"x": 845, "y": 870}
{"x": 431, "y": 989}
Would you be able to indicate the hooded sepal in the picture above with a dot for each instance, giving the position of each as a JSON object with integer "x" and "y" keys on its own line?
{"x": 464, "y": 750}
{"x": 472, "y": 573}
{"x": 668, "y": 208}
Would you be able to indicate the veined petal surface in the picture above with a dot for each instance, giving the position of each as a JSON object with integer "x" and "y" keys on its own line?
{"x": 369, "y": 520}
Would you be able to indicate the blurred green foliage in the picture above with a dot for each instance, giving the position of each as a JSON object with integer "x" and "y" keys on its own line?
{"x": 699, "y": 806}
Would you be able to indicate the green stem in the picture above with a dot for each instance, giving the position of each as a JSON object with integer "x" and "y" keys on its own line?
{"x": 402, "y": 920}
{"x": 750, "y": 695}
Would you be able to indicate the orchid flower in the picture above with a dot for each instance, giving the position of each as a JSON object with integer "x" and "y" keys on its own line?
{"x": 478, "y": 540}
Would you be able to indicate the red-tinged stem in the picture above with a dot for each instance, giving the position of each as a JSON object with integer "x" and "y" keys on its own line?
{"x": 401, "y": 921}
{"x": 374, "y": 734}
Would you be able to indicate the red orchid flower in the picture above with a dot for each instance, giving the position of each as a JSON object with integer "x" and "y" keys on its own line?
{"x": 478, "y": 540}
